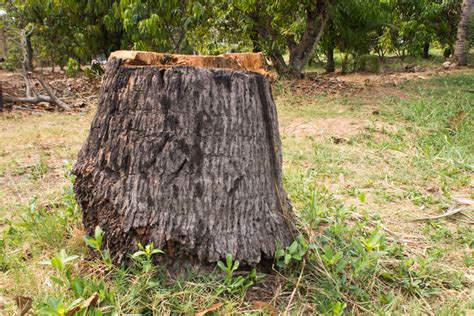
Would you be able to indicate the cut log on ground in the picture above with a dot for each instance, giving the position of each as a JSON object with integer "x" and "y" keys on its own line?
{"x": 186, "y": 158}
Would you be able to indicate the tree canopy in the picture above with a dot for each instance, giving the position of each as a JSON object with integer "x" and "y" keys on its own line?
{"x": 288, "y": 32}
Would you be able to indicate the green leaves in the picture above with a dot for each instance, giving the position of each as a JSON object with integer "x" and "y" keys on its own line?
{"x": 96, "y": 242}
{"x": 145, "y": 255}
{"x": 234, "y": 284}
{"x": 295, "y": 251}
{"x": 229, "y": 267}
{"x": 329, "y": 257}
{"x": 374, "y": 242}
{"x": 148, "y": 251}
{"x": 60, "y": 261}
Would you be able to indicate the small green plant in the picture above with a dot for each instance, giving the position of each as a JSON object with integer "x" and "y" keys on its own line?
{"x": 229, "y": 267}
{"x": 331, "y": 258}
{"x": 374, "y": 242}
{"x": 60, "y": 262}
{"x": 73, "y": 68}
{"x": 145, "y": 255}
{"x": 96, "y": 244}
{"x": 234, "y": 284}
{"x": 39, "y": 169}
{"x": 296, "y": 251}
{"x": 57, "y": 307}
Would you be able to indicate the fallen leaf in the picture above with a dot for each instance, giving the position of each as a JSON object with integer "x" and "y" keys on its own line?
{"x": 91, "y": 301}
{"x": 457, "y": 119}
{"x": 26, "y": 251}
{"x": 210, "y": 309}
{"x": 262, "y": 306}
{"x": 24, "y": 304}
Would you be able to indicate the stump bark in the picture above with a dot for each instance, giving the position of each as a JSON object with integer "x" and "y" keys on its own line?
{"x": 188, "y": 158}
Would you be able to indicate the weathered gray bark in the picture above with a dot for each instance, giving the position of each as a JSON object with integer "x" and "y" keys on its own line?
{"x": 187, "y": 158}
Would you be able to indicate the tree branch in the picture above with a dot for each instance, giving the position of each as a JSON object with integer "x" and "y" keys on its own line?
{"x": 54, "y": 98}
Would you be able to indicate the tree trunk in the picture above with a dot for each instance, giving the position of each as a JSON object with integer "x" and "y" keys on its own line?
{"x": 300, "y": 54}
{"x": 3, "y": 34}
{"x": 29, "y": 53}
{"x": 426, "y": 50}
{"x": 187, "y": 158}
{"x": 462, "y": 43}
{"x": 330, "y": 62}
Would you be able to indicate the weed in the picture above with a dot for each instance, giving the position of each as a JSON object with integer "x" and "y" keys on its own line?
{"x": 96, "y": 244}
{"x": 233, "y": 284}
{"x": 145, "y": 254}
{"x": 295, "y": 251}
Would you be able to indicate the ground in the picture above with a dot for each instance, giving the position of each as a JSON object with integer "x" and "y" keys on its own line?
{"x": 373, "y": 153}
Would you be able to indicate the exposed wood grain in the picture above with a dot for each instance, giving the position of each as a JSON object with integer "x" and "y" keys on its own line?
{"x": 236, "y": 61}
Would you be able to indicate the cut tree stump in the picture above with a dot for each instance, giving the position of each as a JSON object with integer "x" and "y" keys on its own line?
{"x": 188, "y": 158}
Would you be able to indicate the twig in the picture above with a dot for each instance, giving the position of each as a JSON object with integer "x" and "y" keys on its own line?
{"x": 296, "y": 288}
{"x": 463, "y": 201}
{"x": 450, "y": 212}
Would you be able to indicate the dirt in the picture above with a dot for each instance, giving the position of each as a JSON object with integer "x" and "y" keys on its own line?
{"x": 338, "y": 129}
{"x": 395, "y": 78}
{"x": 315, "y": 84}
{"x": 78, "y": 92}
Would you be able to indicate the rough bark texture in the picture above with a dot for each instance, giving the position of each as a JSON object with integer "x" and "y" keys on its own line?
{"x": 187, "y": 158}
{"x": 462, "y": 43}
{"x": 301, "y": 52}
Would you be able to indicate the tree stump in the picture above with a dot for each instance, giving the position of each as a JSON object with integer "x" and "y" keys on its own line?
{"x": 188, "y": 158}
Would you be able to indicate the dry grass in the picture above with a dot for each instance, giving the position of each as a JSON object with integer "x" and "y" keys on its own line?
{"x": 34, "y": 149}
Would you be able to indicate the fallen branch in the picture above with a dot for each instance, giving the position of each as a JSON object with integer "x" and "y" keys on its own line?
{"x": 27, "y": 84}
{"x": 34, "y": 98}
{"x": 53, "y": 97}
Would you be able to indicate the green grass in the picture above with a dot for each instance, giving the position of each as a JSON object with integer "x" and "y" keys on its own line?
{"x": 355, "y": 189}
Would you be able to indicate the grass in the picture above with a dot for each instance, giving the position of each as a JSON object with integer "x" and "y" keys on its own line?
{"x": 356, "y": 187}
{"x": 390, "y": 63}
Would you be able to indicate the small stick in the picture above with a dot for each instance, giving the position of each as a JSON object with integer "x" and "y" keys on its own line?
{"x": 294, "y": 290}
{"x": 450, "y": 212}
{"x": 1, "y": 97}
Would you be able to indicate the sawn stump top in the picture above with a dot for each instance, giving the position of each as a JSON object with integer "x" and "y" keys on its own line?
{"x": 254, "y": 62}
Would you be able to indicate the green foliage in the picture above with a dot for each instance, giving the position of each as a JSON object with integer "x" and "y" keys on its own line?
{"x": 57, "y": 307}
{"x": 415, "y": 23}
{"x": 231, "y": 283}
{"x": 145, "y": 255}
{"x": 294, "y": 252}
{"x": 347, "y": 256}
{"x": 73, "y": 68}
{"x": 96, "y": 244}
{"x": 164, "y": 26}
{"x": 96, "y": 241}
{"x": 60, "y": 263}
